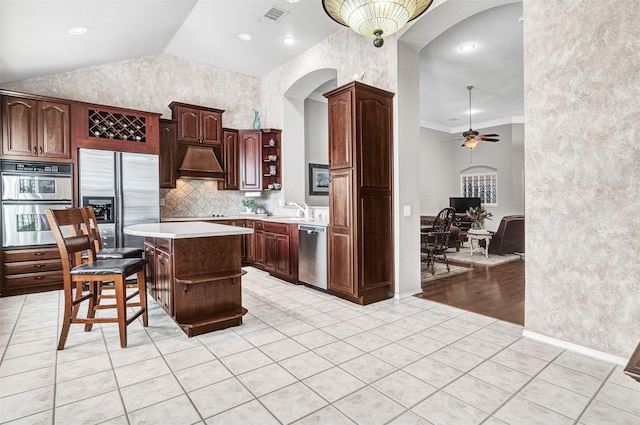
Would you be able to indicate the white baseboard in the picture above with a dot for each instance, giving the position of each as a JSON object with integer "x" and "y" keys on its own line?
{"x": 580, "y": 349}
{"x": 406, "y": 294}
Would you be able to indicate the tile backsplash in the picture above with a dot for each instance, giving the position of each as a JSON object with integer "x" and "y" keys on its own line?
{"x": 201, "y": 198}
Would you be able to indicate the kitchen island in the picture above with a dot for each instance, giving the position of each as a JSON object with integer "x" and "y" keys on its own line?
{"x": 194, "y": 272}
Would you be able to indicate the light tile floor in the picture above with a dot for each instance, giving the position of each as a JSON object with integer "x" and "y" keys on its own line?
{"x": 301, "y": 357}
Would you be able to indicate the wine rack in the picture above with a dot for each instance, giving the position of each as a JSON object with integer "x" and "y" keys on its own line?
{"x": 113, "y": 125}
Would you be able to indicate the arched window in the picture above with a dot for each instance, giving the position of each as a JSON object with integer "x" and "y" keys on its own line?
{"x": 482, "y": 185}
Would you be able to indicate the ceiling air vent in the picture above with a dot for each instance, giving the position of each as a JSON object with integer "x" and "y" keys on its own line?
{"x": 275, "y": 13}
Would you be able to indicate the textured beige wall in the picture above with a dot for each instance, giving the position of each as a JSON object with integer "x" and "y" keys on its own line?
{"x": 150, "y": 83}
{"x": 582, "y": 111}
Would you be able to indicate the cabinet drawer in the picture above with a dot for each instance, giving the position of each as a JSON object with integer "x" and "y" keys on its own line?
{"x": 32, "y": 279}
{"x": 258, "y": 225}
{"x": 16, "y": 255}
{"x": 32, "y": 266}
{"x": 164, "y": 243}
{"x": 277, "y": 228}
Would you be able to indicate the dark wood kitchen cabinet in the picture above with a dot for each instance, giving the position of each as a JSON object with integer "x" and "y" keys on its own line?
{"x": 197, "y": 281}
{"x": 281, "y": 250}
{"x": 250, "y": 154}
{"x": 360, "y": 234}
{"x": 35, "y": 128}
{"x": 198, "y": 124}
{"x": 244, "y": 243}
{"x": 113, "y": 128}
{"x": 31, "y": 270}
{"x": 255, "y": 244}
{"x": 260, "y": 159}
{"x": 159, "y": 272}
{"x": 231, "y": 161}
{"x": 150, "y": 272}
{"x": 167, "y": 159}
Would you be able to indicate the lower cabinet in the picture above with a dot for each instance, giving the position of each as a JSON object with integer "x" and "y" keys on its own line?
{"x": 197, "y": 281}
{"x": 164, "y": 272}
{"x": 281, "y": 250}
{"x": 245, "y": 239}
{"x": 159, "y": 272}
{"x": 31, "y": 270}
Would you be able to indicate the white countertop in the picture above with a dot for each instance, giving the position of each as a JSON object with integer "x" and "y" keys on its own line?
{"x": 286, "y": 220}
{"x": 183, "y": 230}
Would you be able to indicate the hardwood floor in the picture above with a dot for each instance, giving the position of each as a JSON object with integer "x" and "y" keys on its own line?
{"x": 496, "y": 291}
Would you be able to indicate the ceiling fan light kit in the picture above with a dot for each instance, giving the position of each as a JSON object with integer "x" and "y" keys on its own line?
{"x": 471, "y": 136}
{"x": 375, "y": 18}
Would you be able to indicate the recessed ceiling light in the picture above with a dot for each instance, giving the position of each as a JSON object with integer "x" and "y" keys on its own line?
{"x": 78, "y": 30}
{"x": 293, "y": 1}
{"x": 467, "y": 47}
{"x": 245, "y": 37}
{"x": 289, "y": 40}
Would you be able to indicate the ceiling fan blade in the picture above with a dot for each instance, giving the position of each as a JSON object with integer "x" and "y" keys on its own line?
{"x": 452, "y": 140}
{"x": 489, "y": 140}
{"x": 490, "y": 135}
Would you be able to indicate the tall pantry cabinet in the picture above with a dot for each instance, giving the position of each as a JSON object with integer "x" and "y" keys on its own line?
{"x": 360, "y": 238}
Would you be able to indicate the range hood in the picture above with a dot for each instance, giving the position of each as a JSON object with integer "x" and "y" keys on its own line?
{"x": 200, "y": 162}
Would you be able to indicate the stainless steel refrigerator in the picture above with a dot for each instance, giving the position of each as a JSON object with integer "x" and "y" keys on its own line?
{"x": 123, "y": 189}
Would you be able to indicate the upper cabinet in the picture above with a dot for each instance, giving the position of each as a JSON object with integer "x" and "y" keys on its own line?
{"x": 168, "y": 131}
{"x": 117, "y": 129}
{"x": 198, "y": 124}
{"x": 250, "y": 159}
{"x": 35, "y": 128}
{"x": 259, "y": 152}
{"x": 230, "y": 155}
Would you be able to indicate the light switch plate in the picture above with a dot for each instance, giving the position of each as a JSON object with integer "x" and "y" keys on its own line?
{"x": 407, "y": 210}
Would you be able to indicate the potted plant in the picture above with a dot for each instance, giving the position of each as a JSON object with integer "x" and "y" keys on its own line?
{"x": 477, "y": 214}
{"x": 249, "y": 204}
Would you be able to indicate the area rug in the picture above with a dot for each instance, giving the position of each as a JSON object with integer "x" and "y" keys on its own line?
{"x": 441, "y": 271}
{"x": 463, "y": 256}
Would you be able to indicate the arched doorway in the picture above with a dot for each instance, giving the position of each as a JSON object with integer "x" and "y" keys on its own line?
{"x": 430, "y": 26}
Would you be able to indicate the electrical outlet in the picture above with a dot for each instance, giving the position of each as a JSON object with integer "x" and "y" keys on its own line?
{"x": 281, "y": 202}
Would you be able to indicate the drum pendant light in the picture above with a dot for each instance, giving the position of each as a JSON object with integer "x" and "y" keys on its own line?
{"x": 375, "y": 18}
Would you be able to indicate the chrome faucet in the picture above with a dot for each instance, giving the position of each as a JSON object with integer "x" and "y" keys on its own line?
{"x": 304, "y": 208}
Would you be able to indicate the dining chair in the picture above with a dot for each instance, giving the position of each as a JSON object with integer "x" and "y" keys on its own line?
{"x": 435, "y": 241}
{"x": 66, "y": 226}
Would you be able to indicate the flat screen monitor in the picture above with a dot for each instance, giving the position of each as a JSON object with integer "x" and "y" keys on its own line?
{"x": 462, "y": 205}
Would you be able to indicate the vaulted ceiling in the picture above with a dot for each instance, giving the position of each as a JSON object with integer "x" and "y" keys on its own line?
{"x": 35, "y": 41}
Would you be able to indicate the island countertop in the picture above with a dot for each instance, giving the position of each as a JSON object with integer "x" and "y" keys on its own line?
{"x": 184, "y": 230}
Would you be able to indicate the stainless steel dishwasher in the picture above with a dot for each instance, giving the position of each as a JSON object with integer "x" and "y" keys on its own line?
{"x": 312, "y": 255}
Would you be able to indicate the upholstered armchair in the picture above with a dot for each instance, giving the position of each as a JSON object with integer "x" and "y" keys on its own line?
{"x": 509, "y": 237}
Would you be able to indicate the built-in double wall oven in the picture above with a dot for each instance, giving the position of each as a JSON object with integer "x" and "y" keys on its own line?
{"x": 28, "y": 189}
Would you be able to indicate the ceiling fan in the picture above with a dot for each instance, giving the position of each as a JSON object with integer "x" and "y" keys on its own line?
{"x": 471, "y": 137}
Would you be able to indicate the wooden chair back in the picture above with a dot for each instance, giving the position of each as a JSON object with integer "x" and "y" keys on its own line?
{"x": 66, "y": 225}
{"x": 92, "y": 226}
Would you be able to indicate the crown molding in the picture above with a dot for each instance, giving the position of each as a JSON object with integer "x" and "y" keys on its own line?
{"x": 476, "y": 126}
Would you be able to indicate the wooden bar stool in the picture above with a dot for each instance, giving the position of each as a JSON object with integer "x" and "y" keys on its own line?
{"x": 92, "y": 230}
{"x": 106, "y": 253}
{"x": 69, "y": 222}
